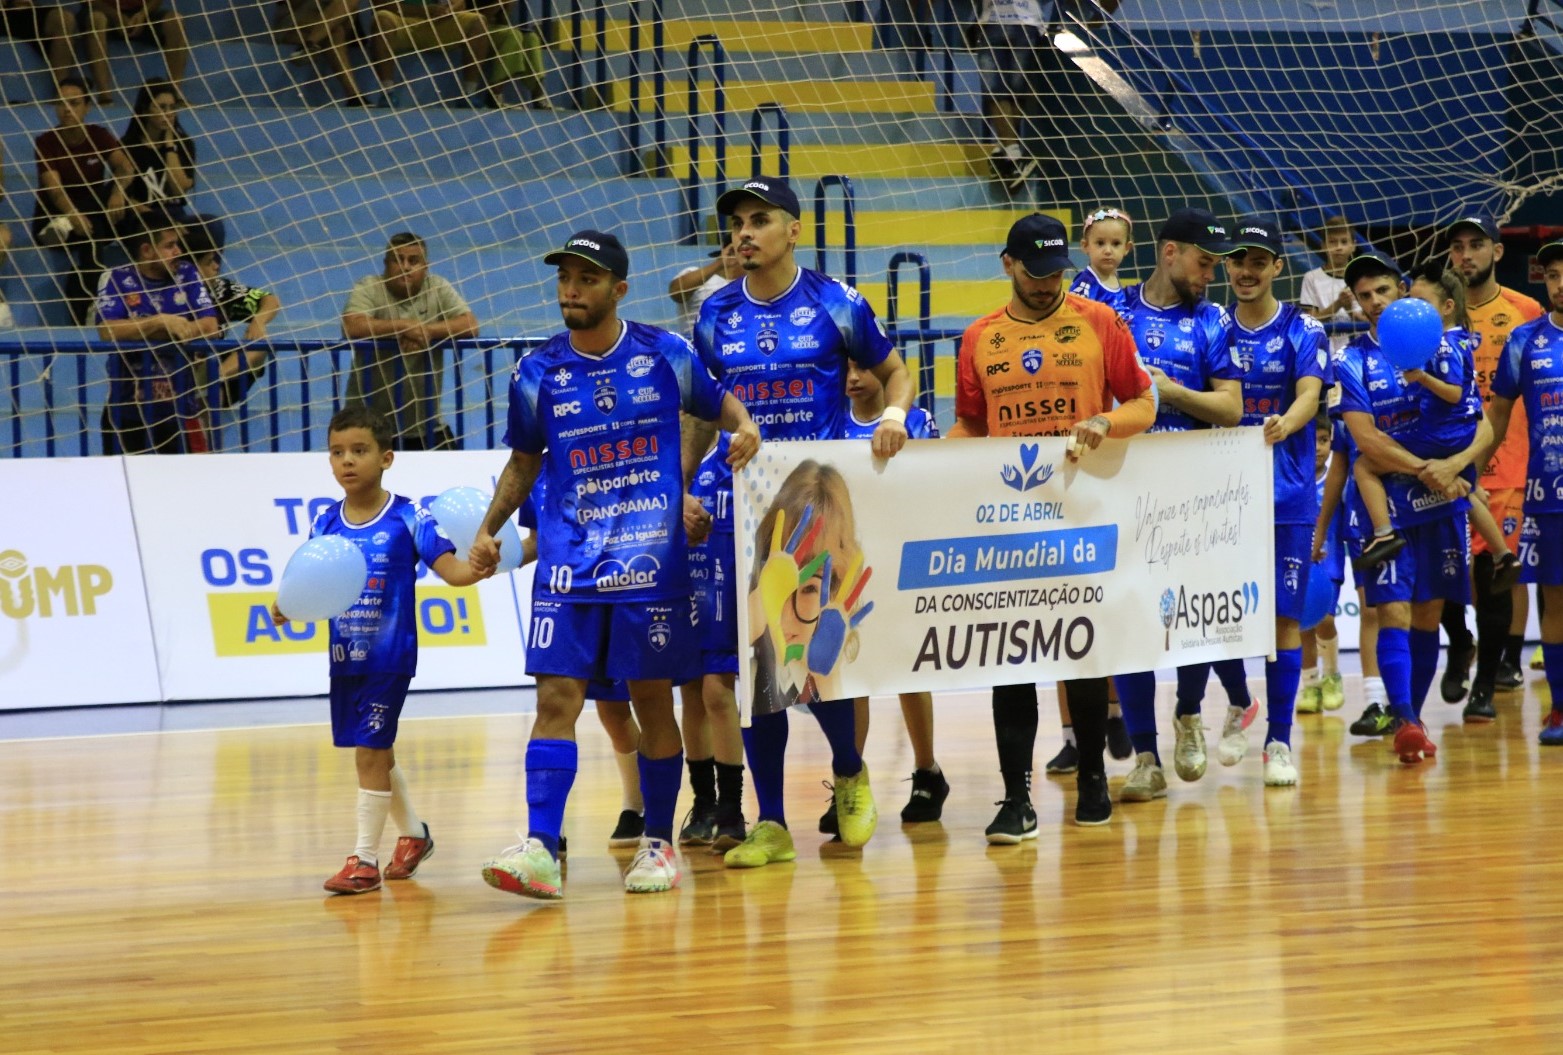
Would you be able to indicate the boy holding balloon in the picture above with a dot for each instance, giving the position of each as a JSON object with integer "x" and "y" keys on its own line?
{"x": 374, "y": 635}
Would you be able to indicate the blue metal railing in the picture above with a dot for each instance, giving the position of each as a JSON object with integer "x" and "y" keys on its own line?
{"x": 783, "y": 140}
{"x": 658, "y": 139}
{"x": 715, "y": 56}
{"x": 924, "y": 367}
{"x": 849, "y": 215}
{"x": 577, "y": 59}
{"x": 1534, "y": 13}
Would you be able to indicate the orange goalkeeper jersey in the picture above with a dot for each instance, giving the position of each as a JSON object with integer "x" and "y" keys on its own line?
{"x": 1493, "y": 322}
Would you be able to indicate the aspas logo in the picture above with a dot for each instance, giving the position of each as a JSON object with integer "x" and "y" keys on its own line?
{"x": 801, "y": 316}
{"x": 75, "y": 588}
{"x": 605, "y": 396}
{"x": 1031, "y": 359}
{"x": 1025, "y": 477}
{"x": 640, "y": 570}
{"x": 1067, "y": 334}
{"x": 1206, "y": 611}
{"x": 640, "y": 365}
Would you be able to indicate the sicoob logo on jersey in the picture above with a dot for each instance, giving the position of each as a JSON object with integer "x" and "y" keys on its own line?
{"x": 1031, "y": 359}
{"x": 767, "y": 341}
{"x": 606, "y": 397}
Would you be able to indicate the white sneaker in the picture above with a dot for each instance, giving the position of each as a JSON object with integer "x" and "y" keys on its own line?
{"x": 1188, "y": 753}
{"x": 654, "y": 869}
{"x": 1279, "y": 771}
{"x": 1146, "y": 780}
{"x": 1234, "y": 738}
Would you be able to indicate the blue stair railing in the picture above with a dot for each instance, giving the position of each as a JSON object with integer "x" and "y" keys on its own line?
{"x": 925, "y": 355}
{"x": 849, "y": 216}
{"x": 705, "y": 51}
{"x": 783, "y": 140}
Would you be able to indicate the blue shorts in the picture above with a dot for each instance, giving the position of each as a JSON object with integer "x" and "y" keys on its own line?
{"x": 1293, "y": 548}
{"x": 627, "y": 640}
{"x": 1435, "y": 565}
{"x": 714, "y": 576}
{"x": 366, "y": 707}
{"x": 602, "y": 689}
{"x": 1541, "y": 549}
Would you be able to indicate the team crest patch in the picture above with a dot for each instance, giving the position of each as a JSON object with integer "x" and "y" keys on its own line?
{"x": 1031, "y": 360}
{"x": 659, "y": 634}
{"x": 606, "y": 397}
{"x": 1153, "y": 338}
{"x": 767, "y": 341}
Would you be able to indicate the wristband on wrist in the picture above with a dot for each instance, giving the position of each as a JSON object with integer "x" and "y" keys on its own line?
{"x": 895, "y": 414}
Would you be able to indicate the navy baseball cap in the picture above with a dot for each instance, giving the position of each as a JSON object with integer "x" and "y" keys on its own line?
{"x": 1482, "y": 221}
{"x": 1548, "y": 253}
{"x": 1368, "y": 263}
{"x": 1197, "y": 227}
{"x": 1257, "y": 233}
{"x": 1041, "y": 245}
{"x": 599, "y": 248}
{"x": 771, "y": 191}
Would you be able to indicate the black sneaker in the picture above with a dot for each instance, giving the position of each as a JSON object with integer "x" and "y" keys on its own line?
{"x": 1004, "y": 167}
{"x": 699, "y": 826}
{"x": 1375, "y": 721}
{"x": 1509, "y": 678}
{"x": 929, "y": 790}
{"x": 827, "y": 820}
{"x": 1093, "y": 806}
{"x": 730, "y": 830}
{"x": 1505, "y": 573}
{"x": 1066, "y": 761}
{"x": 1457, "y": 674}
{"x": 1479, "y": 708}
{"x": 1025, "y": 170}
{"x": 564, "y": 849}
{"x": 1118, "y": 743}
{"x": 1015, "y": 822}
{"x": 1379, "y": 550}
{"x": 628, "y": 831}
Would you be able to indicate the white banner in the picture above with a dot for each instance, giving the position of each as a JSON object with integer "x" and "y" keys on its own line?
{"x": 73, "y": 613}
{"x": 992, "y": 562}
{"x": 216, "y": 532}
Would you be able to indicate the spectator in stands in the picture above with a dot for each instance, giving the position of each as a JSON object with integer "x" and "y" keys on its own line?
{"x": 161, "y": 152}
{"x": 82, "y": 173}
{"x": 235, "y": 302}
{"x": 318, "y": 26}
{"x": 155, "y": 306}
{"x": 691, "y": 286}
{"x": 518, "y": 55}
{"x": 153, "y": 20}
{"x": 420, "y": 26}
{"x": 49, "y": 30}
{"x": 1324, "y": 294}
{"x": 1010, "y": 35}
{"x": 410, "y": 314}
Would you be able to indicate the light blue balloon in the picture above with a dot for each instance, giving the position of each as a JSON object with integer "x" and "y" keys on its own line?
{"x": 1409, "y": 332}
{"x": 323, "y": 579}
{"x": 460, "y": 511}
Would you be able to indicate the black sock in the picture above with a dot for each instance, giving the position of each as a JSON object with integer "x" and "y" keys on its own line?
{"x": 1015, "y": 730}
{"x": 1454, "y": 626}
{"x": 1088, "y": 712}
{"x": 730, "y": 786}
{"x": 1494, "y": 611}
{"x": 702, "y": 779}
{"x": 1514, "y": 644}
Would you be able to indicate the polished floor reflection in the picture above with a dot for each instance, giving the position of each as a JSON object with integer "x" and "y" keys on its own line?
{"x": 161, "y": 893}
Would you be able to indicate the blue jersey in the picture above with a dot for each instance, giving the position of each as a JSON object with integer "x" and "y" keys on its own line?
{"x": 1448, "y": 428}
{"x": 1352, "y": 517}
{"x": 379, "y": 634}
{"x": 1191, "y": 345}
{"x": 1087, "y": 284}
{"x": 611, "y": 524}
{"x": 919, "y": 426}
{"x": 1532, "y": 369}
{"x": 713, "y": 486}
{"x": 786, "y": 359}
{"x": 1370, "y": 384}
{"x": 1274, "y": 358}
{"x": 161, "y": 372}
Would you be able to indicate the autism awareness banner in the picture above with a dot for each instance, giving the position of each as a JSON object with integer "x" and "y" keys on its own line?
{"x": 968, "y": 563}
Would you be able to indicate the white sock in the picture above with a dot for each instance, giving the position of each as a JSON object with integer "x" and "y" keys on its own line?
{"x": 1069, "y": 734}
{"x": 373, "y": 807}
{"x": 1373, "y": 690}
{"x": 629, "y": 782}
{"x": 1310, "y": 678}
{"x": 1329, "y": 655}
{"x": 1013, "y": 150}
{"x": 402, "y": 814}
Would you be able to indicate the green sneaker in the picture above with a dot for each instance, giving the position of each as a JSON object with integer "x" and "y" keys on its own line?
{"x": 1332, "y": 693}
{"x": 1375, "y": 721}
{"x": 856, "y": 814}
{"x": 767, "y": 843}
{"x": 1310, "y": 699}
{"x": 528, "y": 869}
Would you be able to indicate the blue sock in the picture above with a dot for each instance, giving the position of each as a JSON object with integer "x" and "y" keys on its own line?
{"x": 765, "y": 744}
{"x": 1233, "y": 676}
{"x": 838, "y": 718}
{"x": 1394, "y": 666}
{"x": 1192, "y": 680}
{"x": 1552, "y": 660}
{"x": 660, "y": 779}
{"x": 1137, "y": 697}
{"x": 550, "y": 772}
{"x": 1281, "y": 680}
{"x": 1424, "y": 665}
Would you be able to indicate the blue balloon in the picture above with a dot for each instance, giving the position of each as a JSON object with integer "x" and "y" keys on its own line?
{"x": 1409, "y": 332}
{"x": 323, "y": 579}
{"x": 460, "y": 511}
{"x": 1319, "y": 598}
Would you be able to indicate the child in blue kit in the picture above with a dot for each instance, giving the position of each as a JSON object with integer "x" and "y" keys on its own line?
{"x": 374, "y": 644}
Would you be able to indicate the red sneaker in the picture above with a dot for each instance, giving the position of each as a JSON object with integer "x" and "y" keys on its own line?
{"x": 355, "y": 878}
{"x": 411, "y": 852}
{"x": 1412, "y": 743}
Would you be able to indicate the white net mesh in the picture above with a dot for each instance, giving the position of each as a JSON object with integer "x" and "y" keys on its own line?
{"x": 1396, "y": 116}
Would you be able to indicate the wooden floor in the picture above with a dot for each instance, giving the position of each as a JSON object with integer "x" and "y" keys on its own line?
{"x": 161, "y": 893}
